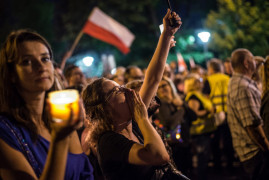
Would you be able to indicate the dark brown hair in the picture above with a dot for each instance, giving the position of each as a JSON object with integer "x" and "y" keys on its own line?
{"x": 68, "y": 71}
{"x": 216, "y": 65}
{"x": 238, "y": 57}
{"x": 97, "y": 115}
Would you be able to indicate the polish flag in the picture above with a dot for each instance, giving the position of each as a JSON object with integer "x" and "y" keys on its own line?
{"x": 181, "y": 63}
{"x": 103, "y": 27}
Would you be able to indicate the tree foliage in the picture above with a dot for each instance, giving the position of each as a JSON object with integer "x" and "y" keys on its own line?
{"x": 239, "y": 24}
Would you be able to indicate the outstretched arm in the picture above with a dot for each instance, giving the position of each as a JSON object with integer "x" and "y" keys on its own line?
{"x": 155, "y": 68}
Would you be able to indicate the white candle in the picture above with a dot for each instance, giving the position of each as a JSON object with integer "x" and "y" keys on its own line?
{"x": 61, "y": 104}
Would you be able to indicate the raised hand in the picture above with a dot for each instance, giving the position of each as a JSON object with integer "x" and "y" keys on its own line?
{"x": 166, "y": 22}
{"x": 136, "y": 105}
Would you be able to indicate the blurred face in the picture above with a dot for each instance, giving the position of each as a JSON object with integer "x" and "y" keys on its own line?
{"x": 228, "y": 68}
{"x": 119, "y": 79}
{"x": 77, "y": 77}
{"x": 164, "y": 90}
{"x": 210, "y": 70}
{"x": 136, "y": 74}
{"x": 120, "y": 71}
{"x": 173, "y": 65}
{"x": 34, "y": 68}
{"x": 189, "y": 85}
{"x": 180, "y": 87}
{"x": 116, "y": 99}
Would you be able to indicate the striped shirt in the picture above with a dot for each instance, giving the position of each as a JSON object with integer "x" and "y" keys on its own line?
{"x": 243, "y": 105}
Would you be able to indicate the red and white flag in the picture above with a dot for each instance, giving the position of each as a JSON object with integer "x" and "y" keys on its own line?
{"x": 101, "y": 26}
{"x": 181, "y": 63}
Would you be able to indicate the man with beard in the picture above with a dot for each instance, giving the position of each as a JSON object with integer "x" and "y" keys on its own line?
{"x": 245, "y": 123}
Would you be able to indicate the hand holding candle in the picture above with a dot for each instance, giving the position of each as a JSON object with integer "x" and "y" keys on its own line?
{"x": 61, "y": 103}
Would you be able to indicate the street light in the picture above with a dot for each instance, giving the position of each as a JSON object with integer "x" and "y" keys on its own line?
{"x": 204, "y": 36}
{"x": 88, "y": 61}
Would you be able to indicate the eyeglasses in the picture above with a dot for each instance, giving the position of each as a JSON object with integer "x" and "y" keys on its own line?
{"x": 115, "y": 90}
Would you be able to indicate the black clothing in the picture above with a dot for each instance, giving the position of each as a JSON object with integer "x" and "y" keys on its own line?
{"x": 257, "y": 166}
{"x": 201, "y": 107}
{"x": 206, "y": 89}
{"x": 113, "y": 151}
{"x": 171, "y": 117}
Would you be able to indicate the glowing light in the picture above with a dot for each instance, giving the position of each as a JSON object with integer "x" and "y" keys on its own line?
{"x": 191, "y": 39}
{"x": 88, "y": 61}
{"x": 204, "y": 36}
{"x": 113, "y": 71}
{"x": 168, "y": 135}
{"x": 61, "y": 104}
{"x": 178, "y": 136}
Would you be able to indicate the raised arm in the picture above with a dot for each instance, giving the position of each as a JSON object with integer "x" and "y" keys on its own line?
{"x": 156, "y": 66}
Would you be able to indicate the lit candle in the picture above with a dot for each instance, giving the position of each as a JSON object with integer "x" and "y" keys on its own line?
{"x": 61, "y": 104}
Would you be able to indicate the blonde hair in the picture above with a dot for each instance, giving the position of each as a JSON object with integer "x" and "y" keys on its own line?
{"x": 172, "y": 86}
{"x": 192, "y": 83}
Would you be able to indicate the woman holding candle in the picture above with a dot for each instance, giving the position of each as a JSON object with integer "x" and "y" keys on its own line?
{"x": 31, "y": 145}
{"x": 111, "y": 108}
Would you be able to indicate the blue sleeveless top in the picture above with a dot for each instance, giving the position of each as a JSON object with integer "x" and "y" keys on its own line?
{"x": 77, "y": 167}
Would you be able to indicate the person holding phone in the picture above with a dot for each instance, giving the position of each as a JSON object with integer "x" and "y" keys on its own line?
{"x": 110, "y": 109}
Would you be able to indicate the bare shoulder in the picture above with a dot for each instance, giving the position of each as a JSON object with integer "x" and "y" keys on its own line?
{"x": 13, "y": 164}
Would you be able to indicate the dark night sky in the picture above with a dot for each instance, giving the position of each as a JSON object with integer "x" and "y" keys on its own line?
{"x": 43, "y": 16}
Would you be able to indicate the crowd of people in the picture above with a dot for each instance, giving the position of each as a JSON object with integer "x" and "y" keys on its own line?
{"x": 160, "y": 123}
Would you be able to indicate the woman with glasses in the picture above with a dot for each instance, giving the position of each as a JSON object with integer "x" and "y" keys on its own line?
{"x": 110, "y": 109}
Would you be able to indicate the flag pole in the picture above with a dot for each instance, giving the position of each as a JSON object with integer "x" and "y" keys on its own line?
{"x": 69, "y": 53}
{"x": 76, "y": 41}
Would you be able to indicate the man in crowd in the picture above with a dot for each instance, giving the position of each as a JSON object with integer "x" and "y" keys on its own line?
{"x": 216, "y": 86}
{"x": 228, "y": 67}
{"x": 243, "y": 104}
{"x": 133, "y": 73}
{"x": 75, "y": 77}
